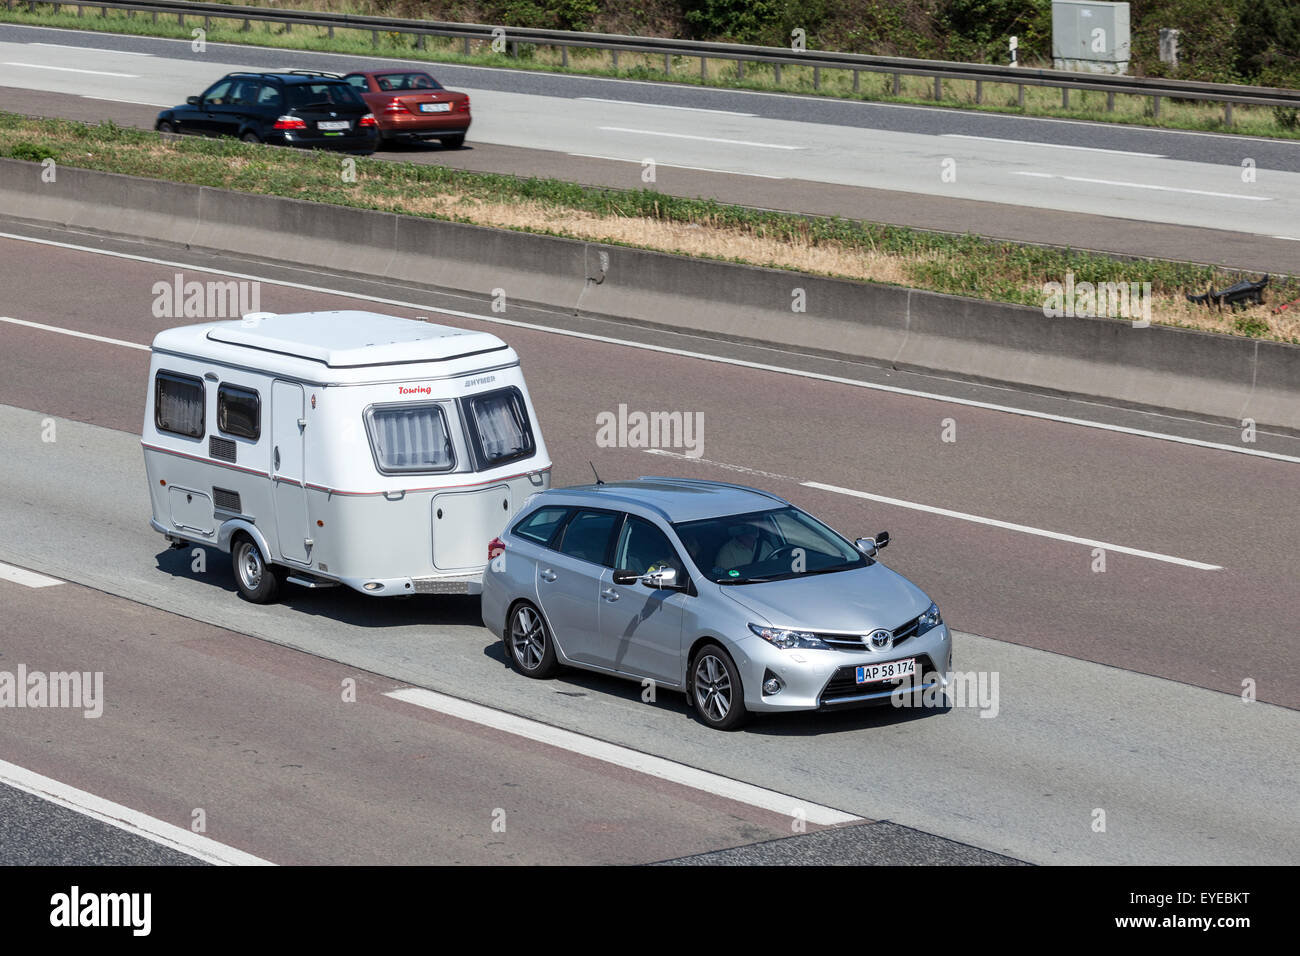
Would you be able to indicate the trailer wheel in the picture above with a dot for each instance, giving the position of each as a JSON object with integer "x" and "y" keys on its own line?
{"x": 257, "y": 581}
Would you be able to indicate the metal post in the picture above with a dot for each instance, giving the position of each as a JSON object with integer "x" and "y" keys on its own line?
{"x": 374, "y": 38}
{"x": 564, "y": 55}
{"x": 467, "y": 46}
{"x": 1110, "y": 101}
{"x": 704, "y": 68}
{"x": 1020, "y": 96}
{"x": 740, "y": 69}
{"x": 615, "y": 52}
{"x": 898, "y": 84}
{"x": 1155, "y": 107}
{"x": 180, "y": 17}
{"x": 979, "y": 92}
{"x": 331, "y": 31}
{"x": 288, "y": 27}
{"x": 857, "y": 77}
{"x": 938, "y": 88}
{"x": 206, "y": 23}
{"x": 246, "y": 27}
{"x": 1227, "y": 113}
{"x": 1065, "y": 97}
{"x": 668, "y": 64}
{"x": 817, "y": 77}
{"x": 776, "y": 71}
{"x": 419, "y": 41}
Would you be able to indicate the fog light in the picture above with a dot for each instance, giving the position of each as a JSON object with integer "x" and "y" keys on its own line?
{"x": 373, "y": 586}
{"x": 771, "y": 684}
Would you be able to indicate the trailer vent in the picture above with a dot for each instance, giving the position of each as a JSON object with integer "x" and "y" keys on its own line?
{"x": 221, "y": 448}
{"x": 226, "y": 500}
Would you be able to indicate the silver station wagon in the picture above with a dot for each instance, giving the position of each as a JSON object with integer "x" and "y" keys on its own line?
{"x": 726, "y": 593}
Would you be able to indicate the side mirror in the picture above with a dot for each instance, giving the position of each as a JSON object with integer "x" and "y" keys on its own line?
{"x": 193, "y": 101}
{"x": 882, "y": 539}
{"x": 625, "y": 577}
{"x": 663, "y": 578}
{"x": 867, "y": 546}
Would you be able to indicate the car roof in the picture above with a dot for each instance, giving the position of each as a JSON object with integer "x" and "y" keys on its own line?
{"x": 289, "y": 77}
{"x": 389, "y": 70}
{"x": 675, "y": 499}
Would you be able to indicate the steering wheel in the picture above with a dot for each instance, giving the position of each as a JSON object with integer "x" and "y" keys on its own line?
{"x": 786, "y": 549}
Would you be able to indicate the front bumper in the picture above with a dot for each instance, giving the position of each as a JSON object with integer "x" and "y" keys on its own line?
{"x": 823, "y": 680}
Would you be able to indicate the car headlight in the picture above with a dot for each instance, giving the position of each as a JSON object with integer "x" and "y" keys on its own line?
{"x": 788, "y": 639}
{"x": 930, "y": 619}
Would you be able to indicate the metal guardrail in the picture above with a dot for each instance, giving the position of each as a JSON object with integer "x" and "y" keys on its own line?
{"x": 1155, "y": 88}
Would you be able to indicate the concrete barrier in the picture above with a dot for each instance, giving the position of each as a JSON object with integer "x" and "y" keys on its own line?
{"x": 1199, "y": 373}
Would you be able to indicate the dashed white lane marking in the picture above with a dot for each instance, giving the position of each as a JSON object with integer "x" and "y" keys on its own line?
{"x": 704, "y": 139}
{"x": 623, "y": 757}
{"x": 663, "y": 106}
{"x": 948, "y": 513}
{"x": 1026, "y": 142}
{"x": 72, "y": 69}
{"x": 124, "y": 818}
{"x": 26, "y": 578}
{"x": 1128, "y": 185}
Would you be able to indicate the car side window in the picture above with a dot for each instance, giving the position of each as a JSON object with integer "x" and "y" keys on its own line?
{"x": 641, "y": 546}
{"x": 586, "y": 535}
{"x": 270, "y": 95}
{"x": 541, "y": 524}
{"x": 218, "y": 93}
{"x": 359, "y": 82}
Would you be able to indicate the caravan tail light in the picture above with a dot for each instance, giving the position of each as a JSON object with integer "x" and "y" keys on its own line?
{"x": 496, "y": 548}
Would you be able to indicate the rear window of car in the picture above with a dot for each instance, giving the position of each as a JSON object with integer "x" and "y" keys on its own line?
{"x": 406, "y": 82}
{"x": 336, "y": 93}
{"x": 541, "y": 524}
{"x": 499, "y": 427}
{"x": 410, "y": 438}
{"x": 586, "y": 536}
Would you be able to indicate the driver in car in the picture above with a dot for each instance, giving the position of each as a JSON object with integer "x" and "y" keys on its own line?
{"x": 746, "y": 546}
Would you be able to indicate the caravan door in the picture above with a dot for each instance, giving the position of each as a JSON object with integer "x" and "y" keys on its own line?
{"x": 288, "y": 425}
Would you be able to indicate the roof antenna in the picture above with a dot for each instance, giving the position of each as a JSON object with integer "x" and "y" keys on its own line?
{"x": 593, "y": 471}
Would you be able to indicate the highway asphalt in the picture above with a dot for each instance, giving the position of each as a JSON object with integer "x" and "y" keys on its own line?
{"x": 1130, "y": 191}
{"x": 1121, "y": 690}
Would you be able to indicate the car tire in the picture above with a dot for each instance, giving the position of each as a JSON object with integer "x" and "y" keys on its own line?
{"x": 164, "y": 126}
{"x": 715, "y": 690}
{"x": 529, "y": 642}
{"x": 256, "y": 580}
{"x": 452, "y": 142}
{"x": 251, "y": 137}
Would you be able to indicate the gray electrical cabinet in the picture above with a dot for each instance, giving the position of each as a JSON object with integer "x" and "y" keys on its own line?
{"x": 1090, "y": 37}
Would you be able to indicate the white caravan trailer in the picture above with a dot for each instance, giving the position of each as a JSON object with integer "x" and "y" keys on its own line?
{"x": 329, "y": 448}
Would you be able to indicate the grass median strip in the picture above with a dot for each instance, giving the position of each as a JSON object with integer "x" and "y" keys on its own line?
{"x": 959, "y": 265}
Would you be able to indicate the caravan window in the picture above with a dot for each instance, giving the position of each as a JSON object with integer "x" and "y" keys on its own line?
{"x": 499, "y": 424}
{"x": 409, "y": 438}
{"x": 239, "y": 411}
{"x": 178, "y": 404}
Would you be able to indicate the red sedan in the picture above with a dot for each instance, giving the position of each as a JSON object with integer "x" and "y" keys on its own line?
{"x": 413, "y": 106}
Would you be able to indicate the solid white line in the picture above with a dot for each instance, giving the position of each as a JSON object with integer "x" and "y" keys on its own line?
{"x": 1291, "y": 238}
{"x": 124, "y": 818}
{"x": 91, "y": 49}
{"x": 623, "y": 757}
{"x": 1009, "y": 526}
{"x": 663, "y": 349}
{"x": 74, "y": 333}
{"x": 1164, "y": 189}
{"x": 1026, "y": 142}
{"x": 947, "y": 513}
{"x": 72, "y": 69}
{"x": 663, "y": 106}
{"x": 705, "y": 139}
{"x": 699, "y": 169}
{"x": 26, "y": 578}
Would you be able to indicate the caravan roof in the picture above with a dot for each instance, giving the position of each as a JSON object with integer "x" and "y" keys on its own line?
{"x": 307, "y": 343}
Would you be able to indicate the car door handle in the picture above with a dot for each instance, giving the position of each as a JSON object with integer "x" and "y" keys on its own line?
{"x": 609, "y": 594}
{"x": 548, "y": 575}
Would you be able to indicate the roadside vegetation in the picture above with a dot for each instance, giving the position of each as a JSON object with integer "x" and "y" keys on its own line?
{"x": 1261, "y": 45}
{"x": 964, "y": 265}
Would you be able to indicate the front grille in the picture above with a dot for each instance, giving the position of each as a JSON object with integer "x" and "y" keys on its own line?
{"x": 221, "y": 448}
{"x": 226, "y": 500}
{"x": 853, "y": 642}
{"x": 844, "y": 685}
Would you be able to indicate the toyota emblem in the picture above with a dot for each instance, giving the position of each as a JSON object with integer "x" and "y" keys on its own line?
{"x": 879, "y": 640}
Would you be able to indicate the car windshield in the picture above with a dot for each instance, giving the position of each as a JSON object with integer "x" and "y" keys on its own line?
{"x": 406, "y": 82}
{"x": 335, "y": 93}
{"x": 766, "y": 546}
